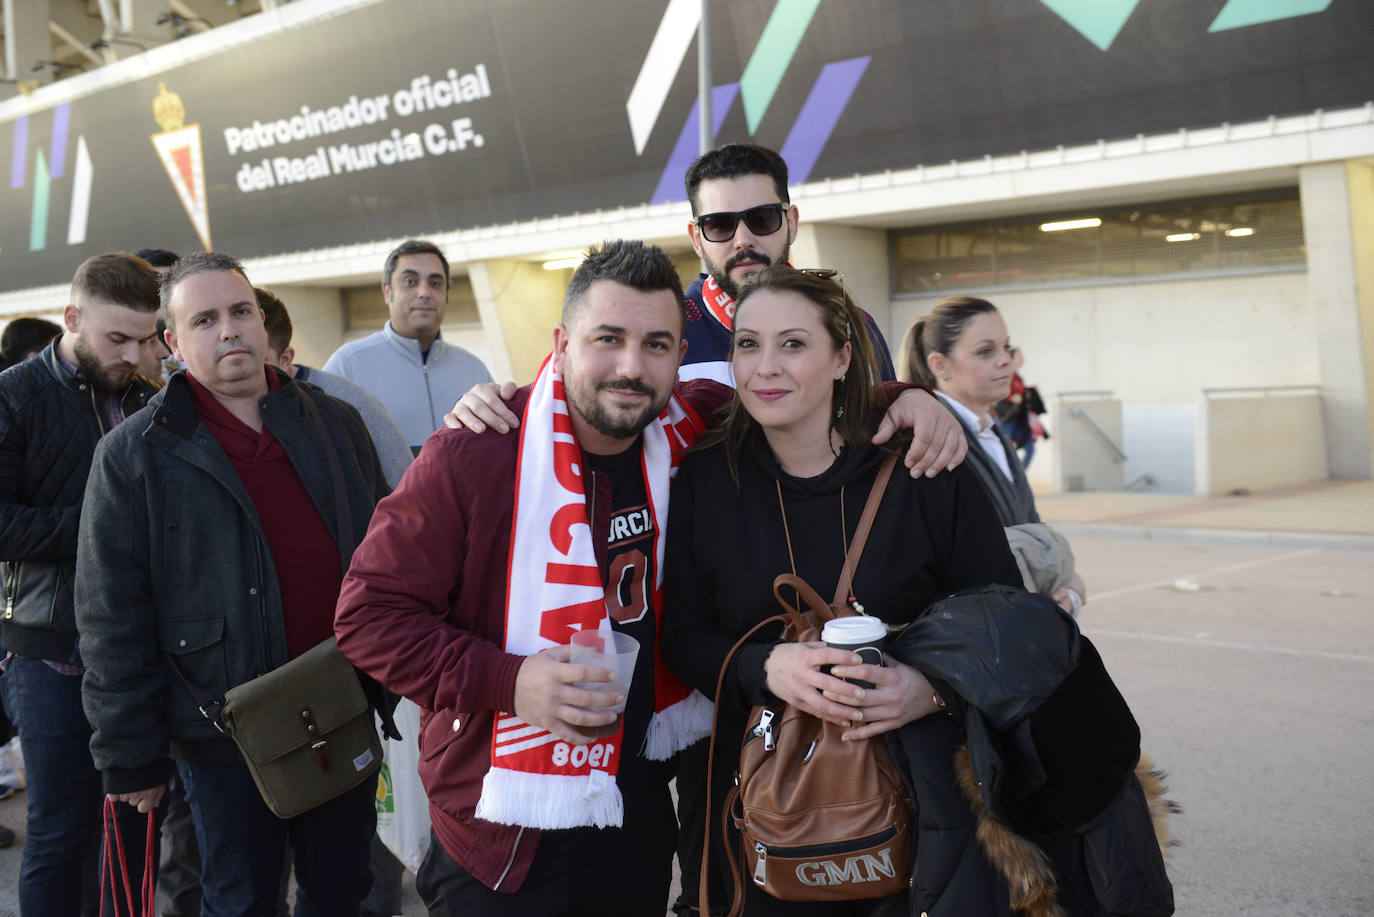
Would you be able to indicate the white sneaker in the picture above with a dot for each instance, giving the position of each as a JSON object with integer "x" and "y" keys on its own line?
{"x": 11, "y": 768}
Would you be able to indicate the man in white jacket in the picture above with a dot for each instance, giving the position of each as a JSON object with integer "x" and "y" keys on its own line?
{"x": 407, "y": 365}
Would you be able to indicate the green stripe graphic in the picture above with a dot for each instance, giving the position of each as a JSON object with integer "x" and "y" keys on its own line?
{"x": 774, "y": 52}
{"x": 38, "y": 226}
{"x": 1240, "y": 13}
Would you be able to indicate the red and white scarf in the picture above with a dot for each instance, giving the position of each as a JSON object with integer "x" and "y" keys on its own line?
{"x": 720, "y": 305}
{"x": 554, "y": 589}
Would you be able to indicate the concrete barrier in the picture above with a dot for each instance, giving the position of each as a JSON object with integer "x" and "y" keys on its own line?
{"x": 1086, "y": 442}
{"x": 1257, "y": 438}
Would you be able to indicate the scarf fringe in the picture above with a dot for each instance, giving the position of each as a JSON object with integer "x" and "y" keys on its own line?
{"x": 677, "y": 726}
{"x": 549, "y": 801}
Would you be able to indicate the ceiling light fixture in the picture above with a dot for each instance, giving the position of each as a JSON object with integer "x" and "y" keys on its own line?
{"x": 1061, "y": 225}
{"x": 1183, "y": 237}
{"x": 1240, "y": 231}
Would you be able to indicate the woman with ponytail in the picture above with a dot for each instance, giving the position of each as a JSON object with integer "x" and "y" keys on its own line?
{"x": 962, "y": 351}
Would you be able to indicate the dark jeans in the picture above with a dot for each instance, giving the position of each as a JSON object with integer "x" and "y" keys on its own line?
{"x": 64, "y": 794}
{"x": 583, "y": 872}
{"x": 243, "y": 846}
{"x": 179, "y": 875}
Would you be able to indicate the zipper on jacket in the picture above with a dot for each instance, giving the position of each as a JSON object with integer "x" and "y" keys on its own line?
{"x": 511, "y": 862}
{"x": 95, "y": 408}
{"x": 429, "y": 394}
{"x": 11, "y": 583}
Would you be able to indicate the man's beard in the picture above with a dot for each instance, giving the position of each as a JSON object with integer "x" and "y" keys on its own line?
{"x": 722, "y": 274}
{"x": 103, "y": 378}
{"x": 604, "y": 421}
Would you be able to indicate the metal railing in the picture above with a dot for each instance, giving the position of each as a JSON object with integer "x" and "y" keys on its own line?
{"x": 1264, "y": 390}
{"x": 1118, "y": 456}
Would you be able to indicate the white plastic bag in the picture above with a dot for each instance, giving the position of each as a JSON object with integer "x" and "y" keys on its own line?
{"x": 402, "y": 806}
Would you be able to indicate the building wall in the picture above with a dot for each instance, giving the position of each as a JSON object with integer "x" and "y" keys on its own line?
{"x": 1155, "y": 346}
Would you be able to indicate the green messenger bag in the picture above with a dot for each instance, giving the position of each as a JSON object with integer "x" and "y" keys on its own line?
{"x": 305, "y": 729}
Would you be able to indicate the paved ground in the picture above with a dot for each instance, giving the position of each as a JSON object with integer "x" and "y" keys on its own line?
{"x": 1241, "y": 630}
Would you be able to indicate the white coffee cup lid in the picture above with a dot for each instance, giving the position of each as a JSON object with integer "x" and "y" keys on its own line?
{"x": 854, "y": 629}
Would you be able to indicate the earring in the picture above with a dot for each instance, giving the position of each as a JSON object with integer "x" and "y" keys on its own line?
{"x": 839, "y": 386}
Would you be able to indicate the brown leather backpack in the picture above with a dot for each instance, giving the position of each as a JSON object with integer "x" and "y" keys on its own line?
{"x": 820, "y": 819}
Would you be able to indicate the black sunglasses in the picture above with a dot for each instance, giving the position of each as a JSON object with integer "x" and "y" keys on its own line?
{"x": 763, "y": 220}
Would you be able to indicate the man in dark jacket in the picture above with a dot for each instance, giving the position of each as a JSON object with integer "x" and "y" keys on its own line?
{"x": 53, "y": 410}
{"x": 209, "y": 536}
{"x": 742, "y": 221}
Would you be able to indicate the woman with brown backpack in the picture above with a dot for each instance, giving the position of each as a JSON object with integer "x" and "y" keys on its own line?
{"x": 786, "y": 503}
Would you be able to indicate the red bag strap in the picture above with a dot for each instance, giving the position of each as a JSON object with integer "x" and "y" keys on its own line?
{"x": 111, "y": 831}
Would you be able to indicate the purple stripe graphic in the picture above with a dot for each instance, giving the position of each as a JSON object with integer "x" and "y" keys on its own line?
{"x": 670, "y": 183}
{"x": 819, "y": 116}
{"x": 57, "y": 155}
{"x": 19, "y": 154}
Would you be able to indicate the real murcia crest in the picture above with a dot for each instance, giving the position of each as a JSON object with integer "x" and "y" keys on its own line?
{"x": 178, "y": 146}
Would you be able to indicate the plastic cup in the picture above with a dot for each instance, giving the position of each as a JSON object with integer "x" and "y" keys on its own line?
{"x": 607, "y": 650}
{"x": 862, "y": 634}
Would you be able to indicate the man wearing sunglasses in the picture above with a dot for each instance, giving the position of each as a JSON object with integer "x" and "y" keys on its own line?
{"x": 742, "y": 222}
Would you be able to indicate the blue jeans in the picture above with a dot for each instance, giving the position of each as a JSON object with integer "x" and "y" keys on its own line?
{"x": 243, "y": 847}
{"x": 64, "y": 794}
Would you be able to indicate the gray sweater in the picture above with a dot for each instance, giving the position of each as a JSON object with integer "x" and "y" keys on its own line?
{"x": 391, "y": 444}
{"x": 415, "y": 389}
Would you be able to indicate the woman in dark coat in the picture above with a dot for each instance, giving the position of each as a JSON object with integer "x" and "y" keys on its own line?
{"x": 780, "y": 489}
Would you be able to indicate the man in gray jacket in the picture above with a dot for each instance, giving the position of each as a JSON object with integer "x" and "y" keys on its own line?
{"x": 209, "y": 537}
{"x": 410, "y": 369}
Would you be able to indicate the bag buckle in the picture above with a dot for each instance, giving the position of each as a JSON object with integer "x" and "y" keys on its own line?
{"x": 318, "y": 743}
{"x": 211, "y": 712}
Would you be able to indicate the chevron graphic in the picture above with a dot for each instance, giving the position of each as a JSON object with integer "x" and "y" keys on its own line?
{"x": 19, "y": 152}
{"x": 777, "y": 45}
{"x": 1099, "y": 21}
{"x": 38, "y": 216}
{"x": 675, "y": 32}
{"x": 1240, "y": 13}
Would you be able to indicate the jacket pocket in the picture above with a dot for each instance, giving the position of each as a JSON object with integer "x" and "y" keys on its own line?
{"x": 442, "y": 730}
{"x": 197, "y": 646}
{"x": 39, "y": 595}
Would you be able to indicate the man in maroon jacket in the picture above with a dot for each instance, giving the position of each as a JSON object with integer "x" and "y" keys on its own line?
{"x": 425, "y": 610}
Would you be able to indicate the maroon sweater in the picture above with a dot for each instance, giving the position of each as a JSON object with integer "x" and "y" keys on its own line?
{"x": 307, "y": 561}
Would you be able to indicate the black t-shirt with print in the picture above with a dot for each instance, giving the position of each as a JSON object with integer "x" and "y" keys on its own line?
{"x": 650, "y": 825}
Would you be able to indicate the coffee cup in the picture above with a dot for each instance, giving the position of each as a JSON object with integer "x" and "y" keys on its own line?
{"x": 861, "y": 634}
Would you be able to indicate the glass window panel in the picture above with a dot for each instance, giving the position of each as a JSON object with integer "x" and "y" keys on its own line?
{"x": 1258, "y": 230}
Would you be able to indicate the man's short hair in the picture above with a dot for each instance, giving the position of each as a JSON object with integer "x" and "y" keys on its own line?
{"x": 736, "y": 160}
{"x": 194, "y": 263}
{"x": 23, "y": 336}
{"x": 646, "y": 268}
{"x": 276, "y": 319}
{"x": 157, "y": 257}
{"x": 413, "y": 247}
{"x": 117, "y": 277}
